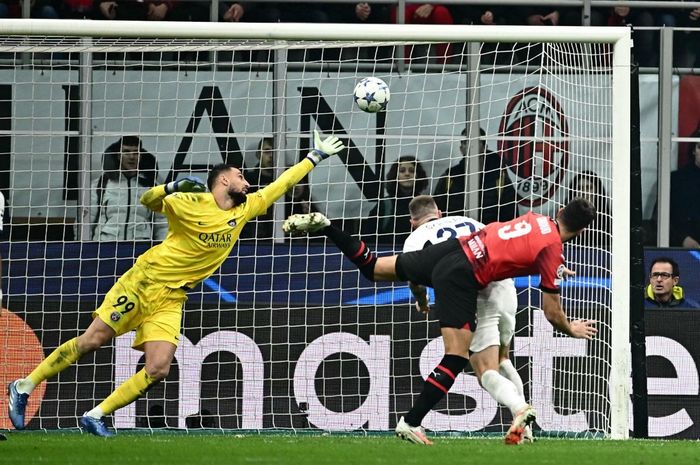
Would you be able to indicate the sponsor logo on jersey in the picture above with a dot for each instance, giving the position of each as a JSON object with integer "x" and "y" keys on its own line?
{"x": 232, "y": 223}
{"x": 216, "y": 240}
{"x": 115, "y": 316}
{"x": 533, "y": 140}
{"x": 477, "y": 248}
{"x": 560, "y": 271}
{"x": 544, "y": 225}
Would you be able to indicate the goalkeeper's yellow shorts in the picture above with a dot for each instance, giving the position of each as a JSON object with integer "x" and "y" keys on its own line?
{"x": 137, "y": 302}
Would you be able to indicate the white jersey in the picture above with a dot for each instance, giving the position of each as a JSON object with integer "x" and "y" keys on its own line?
{"x": 496, "y": 304}
{"x": 440, "y": 230}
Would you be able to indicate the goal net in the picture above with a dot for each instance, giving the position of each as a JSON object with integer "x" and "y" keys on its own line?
{"x": 287, "y": 334}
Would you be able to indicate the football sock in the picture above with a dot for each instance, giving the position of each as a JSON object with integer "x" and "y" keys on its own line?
{"x": 64, "y": 356}
{"x": 96, "y": 413}
{"x": 507, "y": 370}
{"x": 436, "y": 386}
{"x": 355, "y": 249}
{"x": 503, "y": 390}
{"x": 129, "y": 391}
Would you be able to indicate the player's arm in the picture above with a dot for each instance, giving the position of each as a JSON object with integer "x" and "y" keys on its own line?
{"x": 551, "y": 304}
{"x": 322, "y": 150}
{"x": 552, "y": 271}
{"x": 421, "y": 294}
{"x": 153, "y": 197}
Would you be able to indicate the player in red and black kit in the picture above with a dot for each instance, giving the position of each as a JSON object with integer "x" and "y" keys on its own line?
{"x": 456, "y": 270}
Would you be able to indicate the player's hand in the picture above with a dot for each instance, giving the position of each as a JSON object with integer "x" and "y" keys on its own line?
{"x": 567, "y": 273}
{"x": 186, "y": 184}
{"x": 424, "y": 309}
{"x": 324, "y": 148}
{"x": 583, "y": 329}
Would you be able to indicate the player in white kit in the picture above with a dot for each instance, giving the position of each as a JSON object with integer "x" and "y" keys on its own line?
{"x": 496, "y": 303}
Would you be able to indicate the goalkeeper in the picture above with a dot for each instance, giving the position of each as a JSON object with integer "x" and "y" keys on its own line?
{"x": 148, "y": 298}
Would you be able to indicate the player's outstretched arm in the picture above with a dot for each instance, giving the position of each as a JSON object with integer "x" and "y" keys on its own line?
{"x": 551, "y": 304}
{"x": 322, "y": 150}
{"x": 153, "y": 197}
{"x": 581, "y": 329}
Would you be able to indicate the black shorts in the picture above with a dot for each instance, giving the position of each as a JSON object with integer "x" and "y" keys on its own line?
{"x": 446, "y": 269}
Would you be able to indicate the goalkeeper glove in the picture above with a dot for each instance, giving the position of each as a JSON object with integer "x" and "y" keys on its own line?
{"x": 324, "y": 148}
{"x": 186, "y": 184}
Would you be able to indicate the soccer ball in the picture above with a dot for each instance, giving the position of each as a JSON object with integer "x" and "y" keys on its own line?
{"x": 371, "y": 94}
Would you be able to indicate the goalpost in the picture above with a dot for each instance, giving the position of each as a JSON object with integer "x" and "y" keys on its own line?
{"x": 288, "y": 335}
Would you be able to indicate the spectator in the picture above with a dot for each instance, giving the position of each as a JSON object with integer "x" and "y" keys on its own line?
{"x": 78, "y": 9}
{"x": 497, "y": 192}
{"x": 149, "y": 10}
{"x": 129, "y": 171}
{"x": 481, "y": 14}
{"x": 260, "y": 176}
{"x": 688, "y": 42}
{"x": 426, "y": 13}
{"x": 369, "y": 13}
{"x": 233, "y": 12}
{"x": 663, "y": 290}
{"x": 44, "y": 9}
{"x": 588, "y": 185}
{"x": 405, "y": 179}
{"x": 685, "y": 192}
{"x": 545, "y": 16}
{"x": 298, "y": 200}
{"x": 644, "y": 50}
{"x": 360, "y": 13}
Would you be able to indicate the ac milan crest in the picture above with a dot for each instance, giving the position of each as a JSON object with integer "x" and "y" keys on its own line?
{"x": 534, "y": 143}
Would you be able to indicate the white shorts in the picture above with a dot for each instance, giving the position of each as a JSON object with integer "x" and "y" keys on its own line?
{"x": 495, "y": 315}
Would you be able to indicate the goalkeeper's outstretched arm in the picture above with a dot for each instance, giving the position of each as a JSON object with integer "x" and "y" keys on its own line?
{"x": 291, "y": 177}
{"x": 153, "y": 197}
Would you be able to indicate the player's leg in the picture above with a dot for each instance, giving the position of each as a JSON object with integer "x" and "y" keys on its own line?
{"x": 157, "y": 334}
{"x": 138, "y": 303}
{"x": 508, "y": 371}
{"x": 485, "y": 353}
{"x": 485, "y": 364}
{"x": 437, "y": 385}
{"x": 97, "y": 334}
{"x": 455, "y": 293}
{"x": 371, "y": 267}
{"x": 159, "y": 356}
{"x": 505, "y": 298}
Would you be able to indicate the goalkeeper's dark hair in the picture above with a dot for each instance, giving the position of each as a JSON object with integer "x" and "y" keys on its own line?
{"x": 215, "y": 172}
{"x": 577, "y": 214}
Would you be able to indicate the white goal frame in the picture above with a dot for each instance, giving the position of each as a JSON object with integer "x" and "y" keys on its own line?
{"x": 618, "y": 38}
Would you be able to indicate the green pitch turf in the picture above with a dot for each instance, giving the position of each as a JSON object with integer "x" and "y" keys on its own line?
{"x": 214, "y": 449}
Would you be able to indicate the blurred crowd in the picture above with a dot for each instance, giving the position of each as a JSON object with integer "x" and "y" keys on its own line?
{"x": 646, "y": 42}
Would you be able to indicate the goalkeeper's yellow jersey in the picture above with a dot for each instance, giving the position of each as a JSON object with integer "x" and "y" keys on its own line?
{"x": 200, "y": 234}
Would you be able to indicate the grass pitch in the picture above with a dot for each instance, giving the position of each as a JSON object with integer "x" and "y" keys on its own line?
{"x": 214, "y": 449}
